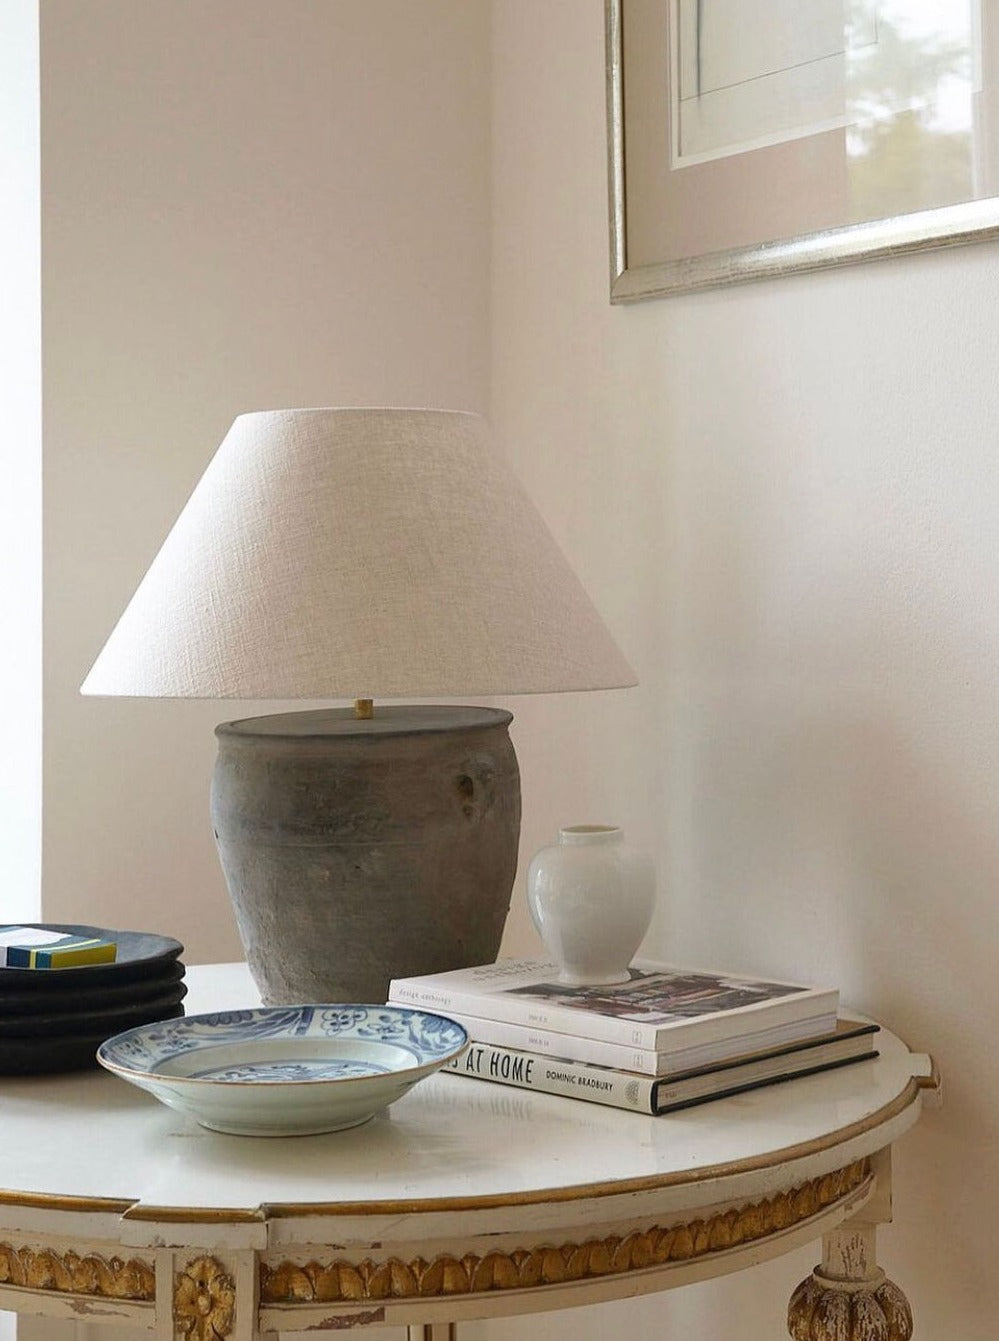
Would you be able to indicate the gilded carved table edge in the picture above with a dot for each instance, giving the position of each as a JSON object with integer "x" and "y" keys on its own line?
{"x": 63, "y": 1271}
{"x": 346, "y": 1280}
{"x": 49, "y": 1270}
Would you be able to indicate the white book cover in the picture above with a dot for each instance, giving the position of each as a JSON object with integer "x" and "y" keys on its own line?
{"x": 660, "y": 1008}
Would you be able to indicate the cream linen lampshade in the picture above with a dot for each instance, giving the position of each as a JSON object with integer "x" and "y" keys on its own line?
{"x": 361, "y": 554}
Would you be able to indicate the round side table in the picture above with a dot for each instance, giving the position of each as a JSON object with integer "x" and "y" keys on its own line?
{"x": 464, "y": 1200}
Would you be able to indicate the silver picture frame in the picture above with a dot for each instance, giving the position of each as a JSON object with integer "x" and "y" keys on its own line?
{"x": 643, "y": 266}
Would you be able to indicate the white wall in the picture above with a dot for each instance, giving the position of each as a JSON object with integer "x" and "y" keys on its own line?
{"x": 244, "y": 207}
{"x": 785, "y": 498}
{"x": 21, "y": 456}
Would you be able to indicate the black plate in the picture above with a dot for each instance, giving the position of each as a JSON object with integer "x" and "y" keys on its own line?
{"x": 113, "y": 1020}
{"x": 85, "y": 997}
{"x": 141, "y": 954}
{"x": 65, "y": 1052}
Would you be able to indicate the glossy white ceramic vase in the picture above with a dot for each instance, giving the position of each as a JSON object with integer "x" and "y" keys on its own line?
{"x": 591, "y": 896}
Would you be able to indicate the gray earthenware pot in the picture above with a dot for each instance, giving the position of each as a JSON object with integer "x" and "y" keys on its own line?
{"x": 357, "y": 851}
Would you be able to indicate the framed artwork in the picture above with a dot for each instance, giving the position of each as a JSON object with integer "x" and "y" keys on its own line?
{"x": 755, "y": 138}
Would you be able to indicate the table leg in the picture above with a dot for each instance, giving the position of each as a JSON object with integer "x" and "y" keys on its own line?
{"x": 432, "y": 1331}
{"x": 848, "y": 1295}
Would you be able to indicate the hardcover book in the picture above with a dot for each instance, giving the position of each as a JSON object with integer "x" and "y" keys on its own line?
{"x": 548, "y": 1043}
{"x": 852, "y": 1041}
{"x": 659, "y": 1009}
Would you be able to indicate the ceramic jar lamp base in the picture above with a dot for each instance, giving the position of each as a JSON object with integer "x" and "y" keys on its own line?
{"x": 361, "y": 849}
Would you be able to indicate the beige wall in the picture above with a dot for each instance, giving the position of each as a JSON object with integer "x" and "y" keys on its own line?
{"x": 244, "y": 206}
{"x": 783, "y": 497}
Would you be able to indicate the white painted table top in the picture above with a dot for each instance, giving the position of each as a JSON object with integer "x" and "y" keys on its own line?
{"x": 452, "y": 1141}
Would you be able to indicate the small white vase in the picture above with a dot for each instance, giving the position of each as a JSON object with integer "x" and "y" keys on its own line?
{"x": 591, "y": 897}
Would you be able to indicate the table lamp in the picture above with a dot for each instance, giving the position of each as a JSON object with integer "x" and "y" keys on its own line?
{"x": 361, "y": 554}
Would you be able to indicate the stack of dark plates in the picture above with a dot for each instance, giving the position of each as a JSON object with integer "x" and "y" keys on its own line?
{"x": 55, "y": 1019}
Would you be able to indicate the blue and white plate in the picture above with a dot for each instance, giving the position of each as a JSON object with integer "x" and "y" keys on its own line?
{"x": 284, "y": 1070}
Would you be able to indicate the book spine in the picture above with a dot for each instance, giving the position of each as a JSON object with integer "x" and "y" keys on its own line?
{"x": 551, "y": 1045}
{"x": 538, "y": 1015}
{"x": 548, "y": 1075}
{"x": 639, "y": 1094}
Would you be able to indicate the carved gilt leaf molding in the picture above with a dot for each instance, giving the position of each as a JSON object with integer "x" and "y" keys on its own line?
{"x": 68, "y": 1273}
{"x": 343, "y": 1280}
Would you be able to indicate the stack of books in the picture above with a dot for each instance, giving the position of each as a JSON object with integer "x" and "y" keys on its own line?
{"x": 664, "y": 1040}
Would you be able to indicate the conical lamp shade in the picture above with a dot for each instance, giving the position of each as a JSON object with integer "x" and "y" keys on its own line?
{"x": 358, "y": 553}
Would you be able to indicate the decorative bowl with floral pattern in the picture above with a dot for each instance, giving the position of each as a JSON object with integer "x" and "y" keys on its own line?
{"x": 285, "y": 1070}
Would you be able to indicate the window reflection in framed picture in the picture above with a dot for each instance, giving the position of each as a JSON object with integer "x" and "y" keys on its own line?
{"x": 754, "y": 138}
